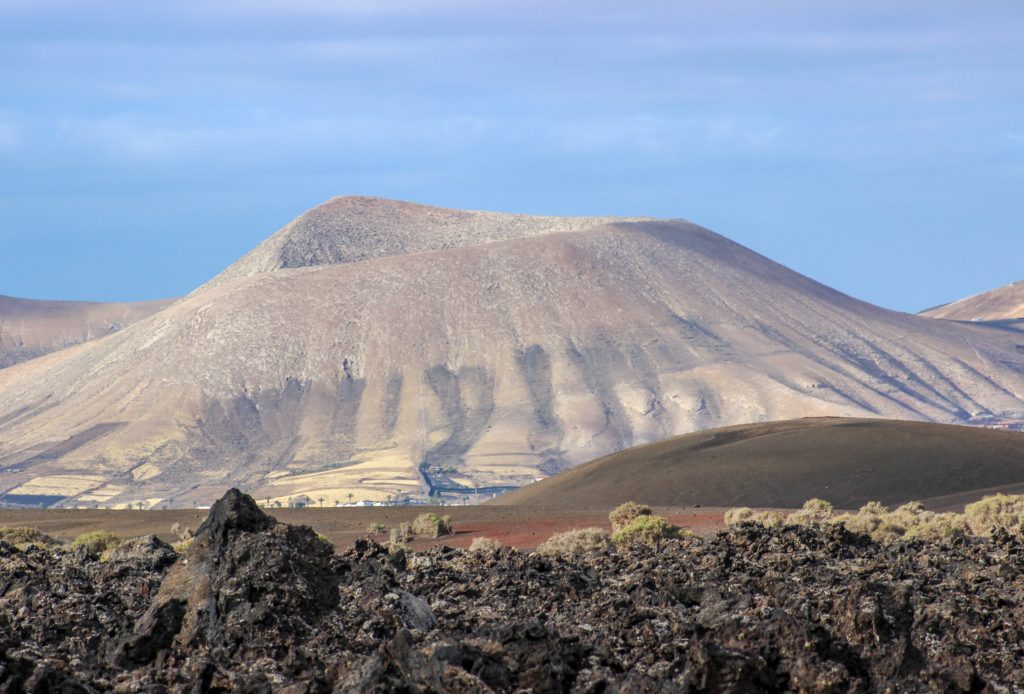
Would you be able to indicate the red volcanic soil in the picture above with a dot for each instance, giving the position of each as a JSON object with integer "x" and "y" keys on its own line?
{"x": 523, "y": 528}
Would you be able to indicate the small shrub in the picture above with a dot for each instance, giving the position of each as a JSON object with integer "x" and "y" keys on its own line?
{"x": 938, "y": 526}
{"x": 872, "y": 519}
{"x": 623, "y": 515}
{"x": 735, "y": 516}
{"x": 182, "y": 532}
{"x": 814, "y": 512}
{"x": 575, "y": 543}
{"x": 432, "y": 525}
{"x": 22, "y": 537}
{"x": 400, "y": 537}
{"x": 484, "y": 545}
{"x": 873, "y": 508}
{"x": 911, "y": 508}
{"x": 181, "y": 545}
{"x": 909, "y": 521}
{"x": 97, "y": 542}
{"x": 769, "y": 519}
{"x": 376, "y": 529}
{"x": 645, "y": 530}
{"x": 998, "y": 511}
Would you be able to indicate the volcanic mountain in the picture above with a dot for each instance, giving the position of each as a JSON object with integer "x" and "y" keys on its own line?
{"x": 374, "y": 348}
{"x": 783, "y": 464}
{"x": 31, "y": 328}
{"x": 1004, "y": 303}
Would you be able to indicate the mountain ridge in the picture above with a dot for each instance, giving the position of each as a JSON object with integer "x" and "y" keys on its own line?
{"x": 1001, "y": 303}
{"x": 481, "y": 366}
{"x": 30, "y": 328}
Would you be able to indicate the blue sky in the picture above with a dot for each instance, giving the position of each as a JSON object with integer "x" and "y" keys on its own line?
{"x": 875, "y": 146}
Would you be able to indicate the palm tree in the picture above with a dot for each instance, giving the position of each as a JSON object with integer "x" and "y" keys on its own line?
{"x": 350, "y": 497}
{"x": 321, "y": 500}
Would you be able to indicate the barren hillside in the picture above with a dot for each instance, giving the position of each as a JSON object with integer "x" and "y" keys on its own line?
{"x": 30, "y": 328}
{"x": 847, "y": 462}
{"x": 376, "y": 348}
{"x": 1004, "y": 303}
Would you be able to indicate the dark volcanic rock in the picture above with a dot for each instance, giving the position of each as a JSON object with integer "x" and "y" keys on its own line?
{"x": 257, "y": 606}
{"x": 246, "y": 587}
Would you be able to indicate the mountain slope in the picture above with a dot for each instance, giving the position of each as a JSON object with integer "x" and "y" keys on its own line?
{"x": 478, "y": 358}
{"x": 1004, "y": 303}
{"x": 782, "y": 464}
{"x": 31, "y": 328}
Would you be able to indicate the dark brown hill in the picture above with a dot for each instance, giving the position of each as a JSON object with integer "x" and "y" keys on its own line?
{"x": 782, "y": 464}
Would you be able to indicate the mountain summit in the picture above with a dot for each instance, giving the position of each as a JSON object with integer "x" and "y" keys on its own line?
{"x": 374, "y": 348}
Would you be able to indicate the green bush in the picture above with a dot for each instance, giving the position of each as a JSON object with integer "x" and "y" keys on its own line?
{"x": 575, "y": 543}
{"x": 623, "y": 515}
{"x": 645, "y": 530}
{"x": 22, "y": 537}
{"x": 432, "y": 525}
{"x": 97, "y": 541}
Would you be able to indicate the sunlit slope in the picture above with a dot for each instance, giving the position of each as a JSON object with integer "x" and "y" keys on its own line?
{"x": 1004, "y": 303}
{"x": 463, "y": 357}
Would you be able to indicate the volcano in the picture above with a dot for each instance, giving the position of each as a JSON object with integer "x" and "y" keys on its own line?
{"x": 374, "y": 349}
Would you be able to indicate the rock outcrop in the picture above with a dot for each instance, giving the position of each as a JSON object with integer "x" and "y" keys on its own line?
{"x": 256, "y": 606}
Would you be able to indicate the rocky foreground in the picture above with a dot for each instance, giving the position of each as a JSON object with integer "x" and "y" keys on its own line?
{"x": 254, "y": 605}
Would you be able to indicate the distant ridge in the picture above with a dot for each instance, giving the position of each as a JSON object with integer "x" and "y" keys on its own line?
{"x": 782, "y": 464}
{"x": 30, "y": 328}
{"x": 375, "y": 349}
{"x": 1004, "y": 303}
